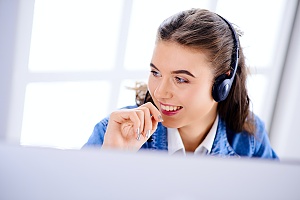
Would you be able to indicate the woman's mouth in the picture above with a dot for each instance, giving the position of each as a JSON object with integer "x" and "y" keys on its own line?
{"x": 170, "y": 110}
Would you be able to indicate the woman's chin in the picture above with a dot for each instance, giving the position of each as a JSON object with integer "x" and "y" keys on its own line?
{"x": 170, "y": 124}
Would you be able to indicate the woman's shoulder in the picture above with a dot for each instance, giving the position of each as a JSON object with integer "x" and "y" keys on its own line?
{"x": 260, "y": 128}
{"x": 255, "y": 144}
{"x": 261, "y": 142}
{"x": 260, "y": 131}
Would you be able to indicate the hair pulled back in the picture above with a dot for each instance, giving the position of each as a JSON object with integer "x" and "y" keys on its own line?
{"x": 203, "y": 30}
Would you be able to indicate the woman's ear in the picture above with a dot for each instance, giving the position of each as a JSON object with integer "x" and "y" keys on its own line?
{"x": 228, "y": 73}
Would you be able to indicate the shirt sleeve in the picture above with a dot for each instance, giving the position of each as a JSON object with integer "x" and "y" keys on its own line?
{"x": 97, "y": 136}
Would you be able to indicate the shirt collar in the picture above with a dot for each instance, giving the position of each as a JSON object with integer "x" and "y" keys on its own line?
{"x": 175, "y": 144}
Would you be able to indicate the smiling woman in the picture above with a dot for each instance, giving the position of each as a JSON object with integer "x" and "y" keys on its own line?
{"x": 62, "y": 70}
{"x": 196, "y": 50}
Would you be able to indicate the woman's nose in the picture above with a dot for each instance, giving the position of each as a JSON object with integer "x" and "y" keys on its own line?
{"x": 163, "y": 90}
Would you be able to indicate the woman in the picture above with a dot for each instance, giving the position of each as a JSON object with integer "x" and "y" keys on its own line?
{"x": 197, "y": 100}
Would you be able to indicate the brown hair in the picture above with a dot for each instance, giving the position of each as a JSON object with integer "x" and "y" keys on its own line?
{"x": 200, "y": 29}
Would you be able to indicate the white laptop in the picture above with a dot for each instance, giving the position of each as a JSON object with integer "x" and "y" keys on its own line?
{"x": 50, "y": 174}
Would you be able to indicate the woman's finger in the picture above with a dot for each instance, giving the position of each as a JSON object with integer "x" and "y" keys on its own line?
{"x": 141, "y": 116}
{"x": 152, "y": 117}
{"x": 153, "y": 111}
{"x": 147, "y": 121}
{"x": 127, "y": 116}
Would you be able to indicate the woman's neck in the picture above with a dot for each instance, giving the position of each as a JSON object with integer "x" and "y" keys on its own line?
{"x": 193, "y": 134}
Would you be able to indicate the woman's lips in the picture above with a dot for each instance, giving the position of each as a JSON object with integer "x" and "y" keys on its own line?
{"x": 169, "y": 109}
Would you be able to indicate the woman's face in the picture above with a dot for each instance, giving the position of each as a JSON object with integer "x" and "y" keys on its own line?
{"x": 180, "y": 84}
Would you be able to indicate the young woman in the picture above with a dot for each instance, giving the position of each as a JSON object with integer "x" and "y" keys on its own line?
{"x": 197, "y": 100}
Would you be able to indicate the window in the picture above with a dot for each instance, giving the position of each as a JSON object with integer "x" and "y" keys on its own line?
{"x": 84, "y": 53}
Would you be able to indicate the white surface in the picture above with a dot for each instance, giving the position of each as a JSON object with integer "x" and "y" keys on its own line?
{"x": 40, "y": 173}
{"x": 285, "y": 134}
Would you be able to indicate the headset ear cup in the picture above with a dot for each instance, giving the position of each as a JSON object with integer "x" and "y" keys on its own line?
{"x": 221, "y": 88}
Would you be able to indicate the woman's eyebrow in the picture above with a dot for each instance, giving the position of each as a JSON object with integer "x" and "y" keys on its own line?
{"x": 183, "y": 72}
{"x": 152, "y": 65}
{"x": 176, "y": 72}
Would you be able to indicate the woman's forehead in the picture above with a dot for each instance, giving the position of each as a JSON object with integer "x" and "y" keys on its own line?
{"x": 173, "y": 55}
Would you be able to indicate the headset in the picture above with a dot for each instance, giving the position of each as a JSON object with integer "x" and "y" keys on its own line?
{"x": 222, "y": 84}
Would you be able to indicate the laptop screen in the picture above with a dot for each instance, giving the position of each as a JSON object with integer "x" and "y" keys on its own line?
{"x": 44, "y": 173}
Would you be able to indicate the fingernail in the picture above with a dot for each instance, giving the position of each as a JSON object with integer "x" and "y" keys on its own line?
{"x": 138, "y": 134}
{"x": 160, "y": 118}
{"x": 148, "y": 134}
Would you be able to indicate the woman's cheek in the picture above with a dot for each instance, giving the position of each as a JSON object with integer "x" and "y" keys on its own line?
{"x": 151, "y": 85}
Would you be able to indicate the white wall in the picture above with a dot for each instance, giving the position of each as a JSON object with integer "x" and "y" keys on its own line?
{"x": 8, "y": 25}
{"x": 285, "y": 129}
{"x": 15, "y": 23}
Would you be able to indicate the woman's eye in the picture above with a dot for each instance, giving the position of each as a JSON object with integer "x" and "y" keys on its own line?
{"x": 181, "y": 80}
{"x": 155, "y": 73}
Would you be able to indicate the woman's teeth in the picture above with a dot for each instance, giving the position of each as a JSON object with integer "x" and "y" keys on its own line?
{"x": 170, "y": 108}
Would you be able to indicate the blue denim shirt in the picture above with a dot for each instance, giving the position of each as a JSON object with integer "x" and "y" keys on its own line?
{"x": 226, "y": 142}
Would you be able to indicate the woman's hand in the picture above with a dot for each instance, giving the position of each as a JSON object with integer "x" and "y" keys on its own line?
{"x": 130, "y": 128}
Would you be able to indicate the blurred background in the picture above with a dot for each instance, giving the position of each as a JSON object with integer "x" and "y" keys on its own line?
{"x": 66, "y": 64}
